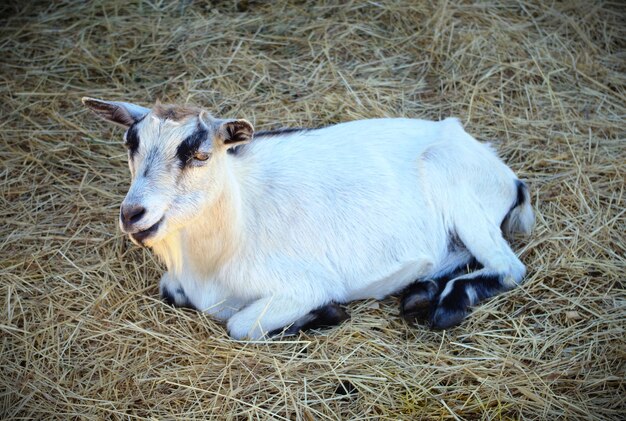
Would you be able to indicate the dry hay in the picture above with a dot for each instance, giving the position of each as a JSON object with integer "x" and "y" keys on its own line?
{"x": 83, "y": 331}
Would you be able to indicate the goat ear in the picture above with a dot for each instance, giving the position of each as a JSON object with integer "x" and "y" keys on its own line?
{"x": 235, "y": 132}
{"x": 122, "y": 113}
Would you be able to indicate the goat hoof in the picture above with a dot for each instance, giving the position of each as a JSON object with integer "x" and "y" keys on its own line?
{"x": 176, "y": 299}
{"x": 445, "y": 317}
{"x": 417, "y": 300}
{"x": 326, "y": 316}
{"x": 168, "y": 297}
{"x": 415, "y": 306}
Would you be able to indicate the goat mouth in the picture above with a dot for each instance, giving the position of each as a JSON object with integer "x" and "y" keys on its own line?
{"x": 141, "y": 236}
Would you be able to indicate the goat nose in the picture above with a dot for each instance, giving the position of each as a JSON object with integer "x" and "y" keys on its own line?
{"x": 131, "y": 214}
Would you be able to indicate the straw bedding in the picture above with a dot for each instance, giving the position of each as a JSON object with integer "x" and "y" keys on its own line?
{"x": 83, "y": 332}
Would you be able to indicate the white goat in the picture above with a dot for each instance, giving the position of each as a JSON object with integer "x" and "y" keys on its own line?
{"x": 271, "y": 231}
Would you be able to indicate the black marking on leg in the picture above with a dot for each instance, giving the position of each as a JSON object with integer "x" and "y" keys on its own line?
{"x": 419, "y": 300}
{"x": 455, "y": 243}
{"x": 520, "y": 199}
{"x": 322, "y": 317}
{"x": 454, "y": 306}
{"x": 132, "y": 138}
{"x": 326, "y": 316}
{"x": 472, "y": 265}
{"x": 170, "y": 299}
{"x": 521, "y": 194}
{"x": 416, "y": 299}
{"x": 486, "y": 286}
{"x": 167, "y": 297}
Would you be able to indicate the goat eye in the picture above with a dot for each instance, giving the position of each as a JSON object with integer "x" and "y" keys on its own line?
{"x": 201, "y": 156}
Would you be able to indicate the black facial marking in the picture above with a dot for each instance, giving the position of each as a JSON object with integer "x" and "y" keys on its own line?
{"x": 190, "y": 145}
{"x": 132, "y": 139}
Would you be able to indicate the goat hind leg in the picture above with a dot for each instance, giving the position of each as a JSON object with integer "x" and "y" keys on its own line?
{"x": 501, "y": 271}
{"x": 418, "y": 300}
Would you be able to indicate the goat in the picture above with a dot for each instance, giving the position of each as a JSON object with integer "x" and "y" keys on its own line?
{"x": 271, "y": 231}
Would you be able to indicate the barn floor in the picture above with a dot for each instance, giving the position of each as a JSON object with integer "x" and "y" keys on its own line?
{"x": 83, "y": 333}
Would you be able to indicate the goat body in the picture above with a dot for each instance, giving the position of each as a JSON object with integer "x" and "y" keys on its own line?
{"x": 271, "y": 231}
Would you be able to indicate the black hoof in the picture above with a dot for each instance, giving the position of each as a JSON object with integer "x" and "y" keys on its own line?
{"x": 445, "y": 318}
{"x": 452, "y": 307}
{"x": 323, "y": 317}
{"x": 417, "y": 299}
{"x": 327, "y": 316}
{"x": 179, "y": 299}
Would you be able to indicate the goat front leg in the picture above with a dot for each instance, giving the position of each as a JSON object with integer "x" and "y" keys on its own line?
{"x": 172, "y": 292}
{"x": 268, "y": 314}
{"x": 203, "y": 296}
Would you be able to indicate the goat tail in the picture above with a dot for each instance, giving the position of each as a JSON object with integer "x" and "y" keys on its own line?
{"x": 520, "y": 218}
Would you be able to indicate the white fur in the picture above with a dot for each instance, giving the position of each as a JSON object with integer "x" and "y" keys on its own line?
{"x": 295, "y": 221}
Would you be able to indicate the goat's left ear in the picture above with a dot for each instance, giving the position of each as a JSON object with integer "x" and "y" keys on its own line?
{"x": 235, "y": 132}
{"x": 122, "y": 113}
